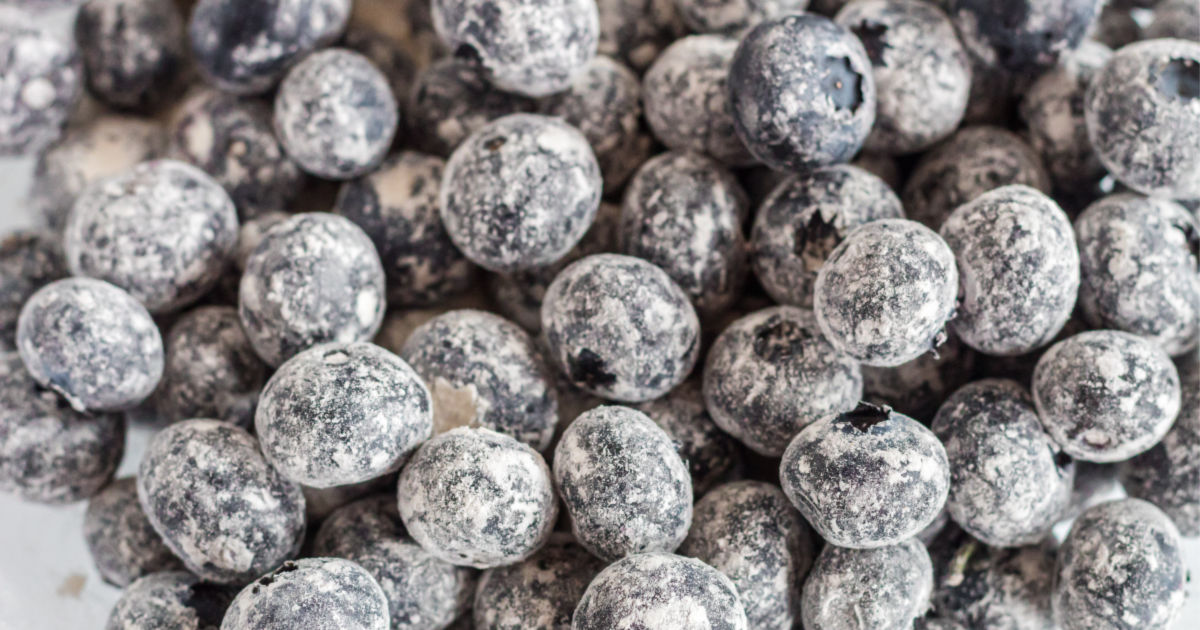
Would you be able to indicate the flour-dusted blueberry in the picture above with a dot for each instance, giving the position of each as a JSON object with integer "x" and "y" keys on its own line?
{"x": 1023, "y": 36}
{"x": 397, "y": 206}
{"x": 335, "y": 114}
{"x": 313, "y": 279}
{"x": 687, "y": 99}
{"x": 605, "y": 103}
{"x": 624, "y": 486}
{"x": 484, "y": 370}
{"x": 684, "y": 213}
{"x": 1139, "y": 260}
{"x": 518, "y": 295}
{"x": 987, "y": 588}
{"x": 620, "y": 328}
{"x": 217, "y": 503}
{"x": 342, "y": 413}
{"x": 1052, "y": 110}
{"x": 385, "y": 53}
{"x": 1168, "y": 475}
{"x": 473, "y": 497}
{"x": 50, "y": 453}
{"x": 802, "y": 92}
{"x": 1009, "y": 482}
{"x": 41, "y": 84}
{"x": 886, "y": 293}
{"x": 650, "y": 590}
{"x": 540, "y": 592}
{"x": 733, "y": 17}
{"x": 92, "y": 343}
{"x": 866, "y": 478}
{"x": 973, "y": 161}
{"x": 922, "y": 74}
{"x": 422, "y": 591}
{"x": 636, "y": 31}
{"x": 1018, "y": 270}
{"x": 170, "y": 599}
{"x": 163, "y": 231}
{"x": 28, "y": 262}
{"x": 1143, "y": 116}
{"x": 317, "y": 593}
{"x": 520, "y": 192}
{"x": 1178, "y": 19}
{"x": 1105, "y": 396}
{"x": 529, "y": 47}
{"x": 133, "y": 51}
{"x": 449, "y": 101}
{"x": 867, "y": 589}
{"x": 710, "y": 454}
{"x": 760, "y": 362}
{"x": 246, "y": 47}
{"x": 1121, "y": 567}
{"x": 88, "y": 152}
{"x": 123, "y": 544}
{"x": 804, "y": 218}
{"x": 749, "y": 531}
{"x": 231, "y": 138}
{"x": 917, "y": 388}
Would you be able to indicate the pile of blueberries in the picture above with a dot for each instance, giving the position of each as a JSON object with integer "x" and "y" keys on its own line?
{"x": 604, "y": 314}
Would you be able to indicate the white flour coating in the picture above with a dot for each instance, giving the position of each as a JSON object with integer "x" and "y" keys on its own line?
{"x": 92, "y": 343}
{"x": 314, "y": 594}
{"x": 683, "y": 212}
{"x": 520, "y": 192}
{"x": 636, "y": 31}
{"x": 164, "y": 231}
{"x": 624, "y": 486}
{"x": 1168, "y": 475}
{"x": 867, "y": 589}
{"x": 660, "y": 590}
{"x": 102, "y": 147}
{"x": 918, "y": 387}
{"x": 341, "y": 413}
{"x": 397, "y": 206}
{"x": 620, "y": 328}
{"x": 1120, "y": 568}
{"x": 687, "y": 100}
{"x": 1105, "y": 396}
{"x": 733, "y": 17}
{"x": 40, "y": 80}
{"x": 922, "y": 75}
{"x": 749, "y": 531}
{"x": 1139, "y": 259}
{"x": 485, "y": 371}
{"x": 802, "y": 92}
{"x": 771, "y": 373}
{"x": 29, "y": 260}
{"x": 170, "y": 599}
{"x": 1022, "y": 37}
{"x": 315, "y": 278}
{"x": 529, "y": 47}
{"x": 987, "y": 588}
{"x": 450, "y": 100}
{"x": 335, "y": 114}
{"x": 1057, "y": 129}
{"x": 886, "y": 294}
{"x": 473, "y": 497}
{"x": 866, "y": 478}
{"x": 1143, "y": 117}
{"x": 1009, "y": 482}
{"x": 540, "y": 592}
{"x": 133, "y": 51}
{"x": 423, "y": 593}
{"x": 973, "y": 161}
{"x": 217, "y": 503}
{"x": 710, "y": 454}
{"x": 1018, "y": 270}
{"x": 246, "y": 47}
{"x": 231, "y": 138}
{"x": 804, "y": 218}
{"x": 50, "y": 453}
{"x": 123, "y": 544}
{"x": 604, "y": 102}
